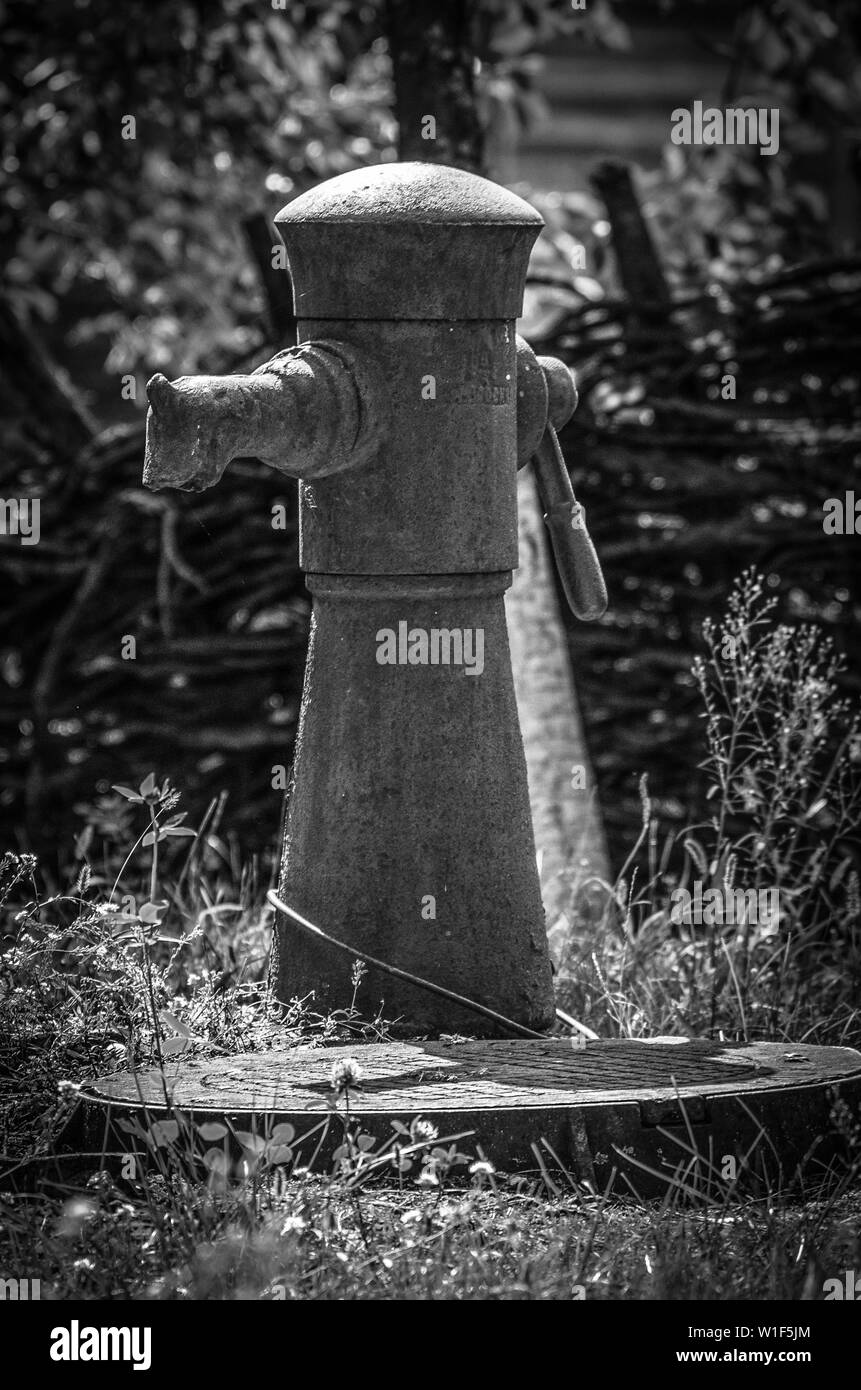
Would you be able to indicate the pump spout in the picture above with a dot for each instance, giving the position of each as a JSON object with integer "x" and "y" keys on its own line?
{"x": 311, "y": 411}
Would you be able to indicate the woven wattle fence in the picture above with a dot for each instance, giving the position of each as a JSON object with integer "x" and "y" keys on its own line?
{"x": 213, "y": 597}
{"x": 684, "y": 490}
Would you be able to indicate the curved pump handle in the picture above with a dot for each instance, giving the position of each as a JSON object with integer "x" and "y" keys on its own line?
{"x": 576, "y": 559}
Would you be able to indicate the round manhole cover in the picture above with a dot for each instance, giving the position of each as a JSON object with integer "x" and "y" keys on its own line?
{"x": 439, "y": 1076}
{"x": 594, "y": 1108}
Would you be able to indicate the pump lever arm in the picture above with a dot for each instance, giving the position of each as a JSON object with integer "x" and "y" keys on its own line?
{"x": 547, "y": 398}
{"x": 576, "y": 559}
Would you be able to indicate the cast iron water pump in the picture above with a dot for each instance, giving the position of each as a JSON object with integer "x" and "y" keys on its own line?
{"x": 405, "y": 412}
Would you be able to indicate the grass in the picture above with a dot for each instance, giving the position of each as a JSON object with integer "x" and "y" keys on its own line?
{"x": 313, "y": 1238}
{"x": 783, "y": 765}
{"x": 152, "y": 953}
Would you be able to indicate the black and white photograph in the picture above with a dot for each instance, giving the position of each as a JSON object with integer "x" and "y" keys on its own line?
{"x": 430, "y": 672}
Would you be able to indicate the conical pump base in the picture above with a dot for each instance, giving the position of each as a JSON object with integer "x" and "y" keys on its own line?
{"x": 409, "y": 831}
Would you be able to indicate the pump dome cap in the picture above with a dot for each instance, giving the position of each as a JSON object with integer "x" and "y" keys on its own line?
{"x": 408, "y": 241}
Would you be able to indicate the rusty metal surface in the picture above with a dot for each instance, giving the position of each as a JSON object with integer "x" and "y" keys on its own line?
{"x": 408, "y": 241}
{"x": 532, "y": 402}
{"x": 562, "y": 395}
{"x": 627, "y": 1118}
{"x": 439, "y": 497}
{"x": 318, "y": 408}
{"x": 432, "y": 1077}
{"x": 576, "y": 559}
{"x": 401, "y": 418}
{"x": 410, "y": 782}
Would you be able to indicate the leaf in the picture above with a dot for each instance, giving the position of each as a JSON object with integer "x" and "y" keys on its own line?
{"x": 832, "y": 91}
{"x": 83, "y": 842}
{"x": 590, "y": 289}
{"x": 365, "y": 1142}
{"x": 212, "y": 1131}
{"x": 608, "y": 28}
{"x": 177, "y": 830}
{"x": 163, "y": 1133}
{"x": 147, "y": 786}
{"x": 282, "y": 1134}
{"x": 697, "y": 854}
{"x": 175, "y": 1023}
{"x": 150, "y": 912}
{"x": 126, "y": 940}
{"x": 513, "y": 39}
{"x": 254, "y": 1143}
{"x": 148, "y": 839}
{"x": 216, "y": 1161}
{"x": 128, "y": 794}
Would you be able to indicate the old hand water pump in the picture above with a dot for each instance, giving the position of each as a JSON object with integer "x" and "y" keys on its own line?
{"x": 405, "y": 412}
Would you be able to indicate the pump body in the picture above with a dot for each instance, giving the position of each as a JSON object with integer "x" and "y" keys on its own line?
{"x": 408, "y": 829}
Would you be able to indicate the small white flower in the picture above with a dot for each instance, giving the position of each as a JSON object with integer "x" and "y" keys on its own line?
{"x": 481, "y": 1168}
{"x": 345, "y": 1073}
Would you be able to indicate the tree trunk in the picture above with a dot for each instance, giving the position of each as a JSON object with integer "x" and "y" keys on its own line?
{"x": 640, "y": 269}
{"x": 432, "y": 47}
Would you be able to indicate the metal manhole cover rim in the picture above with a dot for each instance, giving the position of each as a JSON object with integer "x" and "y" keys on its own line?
{"x": 759, "y": 1069}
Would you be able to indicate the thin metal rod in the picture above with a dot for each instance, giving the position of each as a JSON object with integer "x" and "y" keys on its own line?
{"x": 509, "y": 1023}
